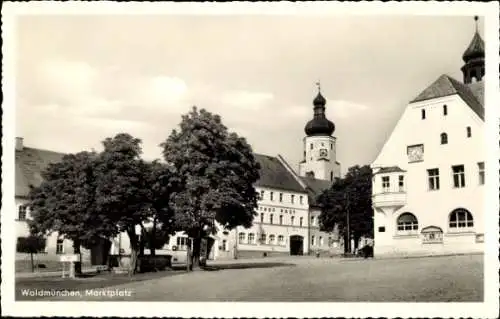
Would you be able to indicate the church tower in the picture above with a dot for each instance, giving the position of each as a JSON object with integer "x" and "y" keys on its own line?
{"x": 473, "y": 69}
{"x": 319, "y": 145}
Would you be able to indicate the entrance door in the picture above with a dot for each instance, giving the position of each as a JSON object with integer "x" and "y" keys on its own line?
{"x": 296, "y": 245}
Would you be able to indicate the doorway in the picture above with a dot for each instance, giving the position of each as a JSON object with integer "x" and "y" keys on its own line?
{"x": 296, "y": 245}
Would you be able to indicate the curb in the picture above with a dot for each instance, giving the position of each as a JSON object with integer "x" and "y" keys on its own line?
{"x": 411, "y": 257}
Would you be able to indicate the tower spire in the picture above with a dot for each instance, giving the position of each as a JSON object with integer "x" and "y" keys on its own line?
{"x": 473, "y": 57}
{"x": 318, "y": 84}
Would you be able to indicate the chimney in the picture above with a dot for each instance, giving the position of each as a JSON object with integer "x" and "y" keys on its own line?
{"x": 19, "y": 143}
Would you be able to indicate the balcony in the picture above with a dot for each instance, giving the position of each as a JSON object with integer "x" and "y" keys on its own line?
{"x": 394, "y": 198}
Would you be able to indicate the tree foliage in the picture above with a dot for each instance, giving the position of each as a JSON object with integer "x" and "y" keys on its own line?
{"x": 216, "y": 171}
{"x": 351, "y": 194}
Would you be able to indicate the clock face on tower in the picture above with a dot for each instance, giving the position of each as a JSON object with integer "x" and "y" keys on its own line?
{"x": 415, "y": 153}
{"x": 323, "y": 153}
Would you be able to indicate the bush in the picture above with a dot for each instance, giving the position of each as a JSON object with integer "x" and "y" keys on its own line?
{"x": 366, "y": 251}
{"x": 31, "y": 245}
{"x": 154, "y": 263}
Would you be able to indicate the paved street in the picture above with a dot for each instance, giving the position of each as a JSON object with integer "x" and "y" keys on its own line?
{"x": 452, "y": 278}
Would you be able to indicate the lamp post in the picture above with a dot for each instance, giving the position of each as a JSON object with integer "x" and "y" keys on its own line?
{"x": 346, "y": 196}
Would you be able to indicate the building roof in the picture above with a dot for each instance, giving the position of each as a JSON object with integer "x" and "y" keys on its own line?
{"x": 390, "y": 169}
{"x": 446, "y": 86}
{"x": 273, "y": 174}
{"x": 314, "y": 188}
{"x": 475, "y": 48}
{"x": 30, "y": 162}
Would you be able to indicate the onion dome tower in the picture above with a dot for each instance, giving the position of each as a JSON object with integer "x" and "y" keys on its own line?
{"x": 320, "y": 148}
{"x": 473, "y": 69}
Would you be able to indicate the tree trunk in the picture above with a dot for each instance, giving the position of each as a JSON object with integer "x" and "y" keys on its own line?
{"x": 195, "y": 264}
{"x": 32, "y": 263}
{"x": 134, "y": 251}
{"x": 76, "y": 250}
{"x": 152, "y": 242}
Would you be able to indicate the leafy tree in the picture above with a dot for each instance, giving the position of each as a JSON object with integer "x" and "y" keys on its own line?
{"x": 351, "y": 194}
{"x": 162, "y": 183}
{"x": 216, "y": 171}
{"x": 123, "y": 195}
{"x": 31, "y": 245}
{"x": 64, "y": 203}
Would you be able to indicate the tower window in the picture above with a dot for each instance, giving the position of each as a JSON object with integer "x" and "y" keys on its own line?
{"x": 271, "y": 196}
{"x": 445, "y": 110}
{"x": 331, "y": 146}
{"x": 469, "y": 131}
{"x": 481, "y": 172}
{"x": 423, "y": 114}
{"x": 331, "y": 175}
{"x": 444, "y": 138}
{"x": 281, "y": 197}
{"x": 292, "y": 198}
{"x": 311, "y": 146}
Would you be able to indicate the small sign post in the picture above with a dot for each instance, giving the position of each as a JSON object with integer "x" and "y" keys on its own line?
{"x": 70, "y": 261}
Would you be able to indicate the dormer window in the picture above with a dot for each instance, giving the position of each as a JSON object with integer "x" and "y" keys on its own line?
{"x": 445, "y": 110}
{"x": 444, "y": 138}
{"x": 423, "y": 114}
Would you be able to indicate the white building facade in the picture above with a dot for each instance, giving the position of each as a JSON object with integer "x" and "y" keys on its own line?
{"x": 428, "y": 180}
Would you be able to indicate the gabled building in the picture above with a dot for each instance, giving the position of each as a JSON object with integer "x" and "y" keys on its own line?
{"x": 428, "y": 180}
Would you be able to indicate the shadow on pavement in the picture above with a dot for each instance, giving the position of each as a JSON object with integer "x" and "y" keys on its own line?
{"x": 247, "y": 266}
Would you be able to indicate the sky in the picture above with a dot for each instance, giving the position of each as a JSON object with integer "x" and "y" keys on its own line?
{"x": 81, "y": 79}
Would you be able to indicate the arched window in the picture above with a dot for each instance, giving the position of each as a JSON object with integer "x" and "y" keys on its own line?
{"x": 251, "y": 238}
{"x": 407, "y": 223}
{"x": 461, "y": 218}
{"x": 445, "y": 109}
{"x": 444, "y": 138}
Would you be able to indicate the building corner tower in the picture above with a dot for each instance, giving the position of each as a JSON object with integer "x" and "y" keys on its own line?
{"x": 320, "y": 150}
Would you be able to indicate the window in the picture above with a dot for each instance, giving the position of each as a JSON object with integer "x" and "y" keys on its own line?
{"x": 261, "y": 217}
{"x": 281, "y": 197}
{"x": 401, "y": 183}
{"x": 445, "y": 110}
{"x": 301, "y": 220}
{"x": 313, "y": 220}
{"x": 224, "y": 245}
{"x": 272, "y": 196}
{"x": 423, "y": 114}
{"x": 461, "y": 218}
{"x": 469, "y": 131}
{"x": 263, "y": 238}
{"x": 320, "y": 241}
{"x": 313, "y": 241}
{"x": 331, "y": 175}
{"x": 241, "y": 238}
{"x": 22, "y": 212}
{"x": 292, "y": 198}
{"x": 272, "y": 239}
{"x": 251, "y": 238}
{"x": 281, "y": 219}
{"x": 261, "y": 195}
{"x": 330, "y": 242}
{"x": 331, "y": 146}
{"x": 480, "y": 167}
{"x": 458, "y": 176}
{"x": 301, "y": 199}
{"x": 281, "y": 240}
{"x": 292, "y": 218}
{"x": 407, "y": 223}
{"x": 385, "y": 184}
{"x": 381, "y": 229}
{"x": 444, "y": 138}
{"x": 311, "y": 146}
{"x": 271, "y": 219}
{"x": 432, "y": 235}
{"x": 59, "y": 247}
{"x": 433, "y": 178}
